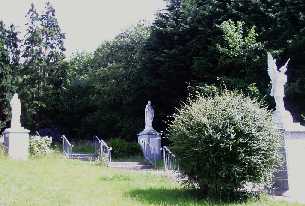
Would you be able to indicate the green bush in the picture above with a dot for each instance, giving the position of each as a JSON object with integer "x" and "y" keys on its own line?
{"x": 123, "y": 149}
{"x": 83, "y": 146}
{"x": 2, "y": 151}
{"x": 224, "y": 142}
{"x": 40, "y": 146}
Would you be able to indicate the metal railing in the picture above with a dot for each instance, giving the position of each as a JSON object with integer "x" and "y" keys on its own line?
{"x": 170, "y": 160}
{"x": 102, "y": 150}
{"x": 67, "y": 146}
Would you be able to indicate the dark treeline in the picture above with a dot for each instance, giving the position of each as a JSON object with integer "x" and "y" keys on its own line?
{"x": 191, "y": 45}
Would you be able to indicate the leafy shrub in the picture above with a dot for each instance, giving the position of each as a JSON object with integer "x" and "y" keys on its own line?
{"x": 224, "y": 142}
{"x": 83, "y": 146}
{"x": 134, "y": 149}
{"x": 40, "y": 146}
{"x": 204, "y": 90}
{"x": 2, "y": 151}
{"x": 123, "y": 149}
{"x": 223, "y": 84}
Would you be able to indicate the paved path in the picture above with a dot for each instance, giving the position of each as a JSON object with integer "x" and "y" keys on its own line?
{"x": 290, "y": 199}
{"x": 131, "y": 165}
{"x": 83, "y": 156}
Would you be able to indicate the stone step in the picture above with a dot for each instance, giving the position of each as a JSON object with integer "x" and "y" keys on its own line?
{"x": 83, "y": 156}
{"x": 131, "y": 165}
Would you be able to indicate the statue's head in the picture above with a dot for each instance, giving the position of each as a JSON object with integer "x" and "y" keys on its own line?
{"x": 149, "y": 102}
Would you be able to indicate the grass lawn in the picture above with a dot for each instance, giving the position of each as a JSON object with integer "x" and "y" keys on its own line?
{"x": 55, "y": 181}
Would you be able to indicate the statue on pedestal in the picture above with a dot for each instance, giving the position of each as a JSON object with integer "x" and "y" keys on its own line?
{"x": 16, "y": 111}
{"x": 17, "y": 136}
{"x": 149, "y": 139}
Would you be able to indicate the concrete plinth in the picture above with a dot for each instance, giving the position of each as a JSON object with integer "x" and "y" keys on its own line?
{"x": 280, "y": 182}
{"x": 150, "y": 142}
{"x": 295, "y": 144}
{"x": 289, "y": 179}
{"x": 17, "y": 141}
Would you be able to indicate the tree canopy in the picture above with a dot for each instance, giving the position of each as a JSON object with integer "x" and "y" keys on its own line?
{"x": 191, "y": 44}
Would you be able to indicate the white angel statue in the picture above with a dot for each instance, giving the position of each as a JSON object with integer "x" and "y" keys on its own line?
{"x": 278, "y": 81}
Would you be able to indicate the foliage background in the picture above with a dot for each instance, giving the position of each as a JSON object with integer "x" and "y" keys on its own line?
{"x": 191, "y": 43}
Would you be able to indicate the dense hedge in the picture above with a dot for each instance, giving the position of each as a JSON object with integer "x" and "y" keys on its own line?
{"x": 223, "y": 142}
{"x": 123, "y": 149}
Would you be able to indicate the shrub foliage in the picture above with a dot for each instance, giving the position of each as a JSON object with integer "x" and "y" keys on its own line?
{"x": 123, "y": 149}
{"x": 224, "y": 142}
{"x": 40, "y": 146}
{"x": 2, "y": 151}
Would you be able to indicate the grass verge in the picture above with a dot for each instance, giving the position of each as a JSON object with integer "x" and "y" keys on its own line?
{"x": 56, "y": 181}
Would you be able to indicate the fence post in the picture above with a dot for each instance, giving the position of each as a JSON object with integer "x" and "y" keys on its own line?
{"x": 164, "y": 158}
{"x": 63, "y": 145}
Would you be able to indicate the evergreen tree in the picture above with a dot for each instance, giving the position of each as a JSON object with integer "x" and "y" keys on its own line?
{"x": 189, "y": 46}
{"x": 44, "y": 71}
{"x": 9, "y": 64}
{"x": 105, "y": 91}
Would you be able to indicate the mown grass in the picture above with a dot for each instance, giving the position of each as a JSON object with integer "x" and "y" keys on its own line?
{"x": 55, "y": 181}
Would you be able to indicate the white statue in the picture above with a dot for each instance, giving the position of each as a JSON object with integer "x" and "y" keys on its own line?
{"x": 149, "y": 116}
{"x": 278, "y": 81}
{"x": 16, "y": 111}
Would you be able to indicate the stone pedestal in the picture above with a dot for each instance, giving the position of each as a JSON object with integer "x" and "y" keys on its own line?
{"x": 283, "y": 120}
{"x": 290, "y": 180}
{"x": 17, "y": 142}
{"x": 280, "y": 182}
{"x": 295, "y": 144}
{"x": 150, "y": 142}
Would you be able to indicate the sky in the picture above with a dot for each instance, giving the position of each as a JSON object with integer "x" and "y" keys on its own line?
{"x": 86, "y": 23}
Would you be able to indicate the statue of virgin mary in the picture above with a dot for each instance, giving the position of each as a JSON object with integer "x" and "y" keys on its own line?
{"x": 16, "y": 111}
{"x": 149, "y": 116}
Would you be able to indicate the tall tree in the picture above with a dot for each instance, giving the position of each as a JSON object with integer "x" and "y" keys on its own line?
{"x": 44, "y": 70}
{"x": 188, "y": 45}
{"x": 105, "y": 91}
{"x": 81, "y": 64}
{"x": 124, "y": 49}
{"x": 9, "y": 65}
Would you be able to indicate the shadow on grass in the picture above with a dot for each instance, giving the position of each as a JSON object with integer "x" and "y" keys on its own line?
{"x": 168, "y": 197}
